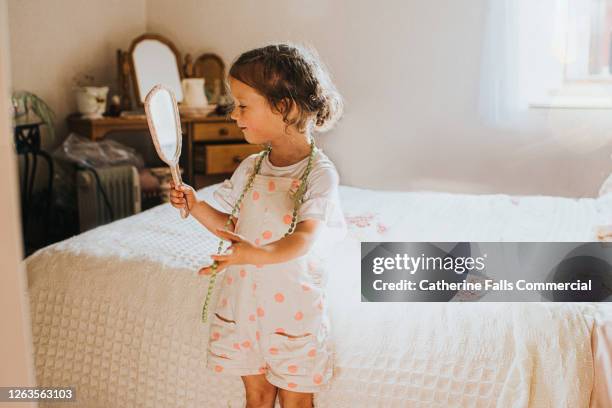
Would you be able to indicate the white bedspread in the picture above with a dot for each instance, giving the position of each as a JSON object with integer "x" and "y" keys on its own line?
{"x": 116, "y": 312}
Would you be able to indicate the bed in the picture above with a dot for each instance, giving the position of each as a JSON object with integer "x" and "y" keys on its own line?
{"x": 116, "y": 313}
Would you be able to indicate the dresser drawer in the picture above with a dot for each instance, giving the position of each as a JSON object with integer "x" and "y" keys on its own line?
{"x": 221, "y": 159}
{"x": 216, "y": 131}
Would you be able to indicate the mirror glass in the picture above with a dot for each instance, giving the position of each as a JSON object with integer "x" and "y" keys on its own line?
{"x": 154, "y": 63}
{"x": 162, "y": 114}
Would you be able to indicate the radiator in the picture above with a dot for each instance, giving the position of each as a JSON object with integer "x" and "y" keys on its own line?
{"x": 122, "y": 187}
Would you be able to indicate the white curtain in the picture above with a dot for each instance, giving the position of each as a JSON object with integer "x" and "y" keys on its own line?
{"x": 498, "y": 101}
{"x": 522, "y": 57}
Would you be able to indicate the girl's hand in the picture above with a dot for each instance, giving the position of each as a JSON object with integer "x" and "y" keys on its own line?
{"x": 243, "y": 252}
{"x": 181, "y": 195}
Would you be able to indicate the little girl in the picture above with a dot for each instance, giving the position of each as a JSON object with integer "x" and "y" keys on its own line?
{"x": 270, "y": 324}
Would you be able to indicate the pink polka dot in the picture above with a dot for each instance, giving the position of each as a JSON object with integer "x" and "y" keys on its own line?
{"x": 237, "y": 346}
{"x": 267, "y": 234}
{"x": 279, "y": 297}
{"x": 291, "y": 385}
{"x": 258, "y": 266}
{"x": 257, "y": 241}
{"x": 260, "y": 312}
{"x": 279, "y": 330}
{"x": 287, "y": 219}
{"x": 273, "y": 350}
{"x": 262, "y": 370}
{"x": 215, "y": 335}
{"x": 292, "y": 369}
{"x": 254, "y": 285}
{"x": 252, "y": 317}
{"x": 298, "y": 316}
{"x": 246, "y": 344}
{"x": 218, "y": 368}
{"x": 312, "y": 353}
{"x": 271, "y": 186}
{"x": 295, "y": 183}
{"x": 317, "y": 378}
{"x": 229, "y": 280}
{"x": 305, "y": 287}
{"x": 224, "y": 302}
{"x": 242, "y": 273}
{"x": 257, "y": 335}
{"x": 255, "y": 195}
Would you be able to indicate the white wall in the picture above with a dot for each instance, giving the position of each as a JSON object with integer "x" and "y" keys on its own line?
{"x": 409, "y": 71}
{"x": 54, "y": 41}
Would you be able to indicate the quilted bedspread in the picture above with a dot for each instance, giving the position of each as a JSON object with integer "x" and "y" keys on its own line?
{"x": 116, "y": 312}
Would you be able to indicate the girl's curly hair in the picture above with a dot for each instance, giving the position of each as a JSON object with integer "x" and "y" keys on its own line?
{"x": 288, "y": 74}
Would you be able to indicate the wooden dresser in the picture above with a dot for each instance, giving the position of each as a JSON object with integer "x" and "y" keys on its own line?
{"x": 213, "y": 146}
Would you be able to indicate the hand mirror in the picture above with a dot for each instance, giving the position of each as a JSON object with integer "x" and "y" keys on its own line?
{"x": 165, "y": 127}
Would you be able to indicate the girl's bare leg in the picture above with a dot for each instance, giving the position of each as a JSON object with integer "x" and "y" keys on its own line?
{"x": 291, "y": 399}
{"x": 259, "y": 392}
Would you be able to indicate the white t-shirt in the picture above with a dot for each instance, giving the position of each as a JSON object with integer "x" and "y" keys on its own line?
{"x": 321, "y": 200}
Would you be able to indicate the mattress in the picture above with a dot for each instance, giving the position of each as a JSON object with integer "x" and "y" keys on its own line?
{"x": 116, "y": 313}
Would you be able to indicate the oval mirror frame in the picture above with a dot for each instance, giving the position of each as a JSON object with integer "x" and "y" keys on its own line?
{"x": 159, "y": 102}
{"x": 164, "y": 122}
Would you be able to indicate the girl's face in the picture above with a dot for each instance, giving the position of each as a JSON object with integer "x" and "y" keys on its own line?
{"x": 254, "y": 115}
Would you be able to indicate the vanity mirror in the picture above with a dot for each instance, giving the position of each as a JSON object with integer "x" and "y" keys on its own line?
{"x": 154, "y": 60}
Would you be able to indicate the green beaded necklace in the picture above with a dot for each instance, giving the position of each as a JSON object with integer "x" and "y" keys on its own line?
{"x": 298, "y": 199}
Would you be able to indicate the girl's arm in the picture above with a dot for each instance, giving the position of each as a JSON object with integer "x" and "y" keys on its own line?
{"x": 292, "y": 246}
{"x": 283, "y": 250}
{"x": 211, "y": 218}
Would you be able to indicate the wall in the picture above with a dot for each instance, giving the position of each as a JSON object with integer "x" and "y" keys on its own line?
{"x": 55, "y": 43}
{"x": 410, "y": 73}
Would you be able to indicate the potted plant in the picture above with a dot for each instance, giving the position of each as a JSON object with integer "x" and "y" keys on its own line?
{"x": 25, "y": 102}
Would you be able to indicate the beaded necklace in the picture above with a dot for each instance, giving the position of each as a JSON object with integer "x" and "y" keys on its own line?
{"x": 298, "y": 199}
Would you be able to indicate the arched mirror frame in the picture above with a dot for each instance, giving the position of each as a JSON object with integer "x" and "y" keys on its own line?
{"x": 199, "y": 70}
{"x": 135, "y": 42}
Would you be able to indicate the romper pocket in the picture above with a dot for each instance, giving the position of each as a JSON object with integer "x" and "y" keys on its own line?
{"x": 291, "y": 356}
{"x": 222, "y": 336}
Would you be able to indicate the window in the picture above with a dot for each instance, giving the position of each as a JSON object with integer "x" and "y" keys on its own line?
{"x": 545, "y": 54}
{"x": 588, "y": 42}
{"x": 581, "y": 43}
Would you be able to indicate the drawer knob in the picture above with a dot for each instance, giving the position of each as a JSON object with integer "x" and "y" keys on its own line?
{"x": 236, "y": 159}
{"x": 223, "y": 132}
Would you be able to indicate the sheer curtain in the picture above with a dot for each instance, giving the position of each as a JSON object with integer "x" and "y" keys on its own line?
{"x": 523, "y": 52}
{"x": 498, "y": 99}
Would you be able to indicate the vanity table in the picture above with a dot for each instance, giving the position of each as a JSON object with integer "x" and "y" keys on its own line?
{"x": 213, "y": 146}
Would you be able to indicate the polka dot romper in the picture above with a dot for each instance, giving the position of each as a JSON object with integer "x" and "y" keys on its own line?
{"x": 272, "y": 319}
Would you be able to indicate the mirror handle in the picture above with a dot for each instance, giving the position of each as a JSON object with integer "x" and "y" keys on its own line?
{"x": 176, "y": 177}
